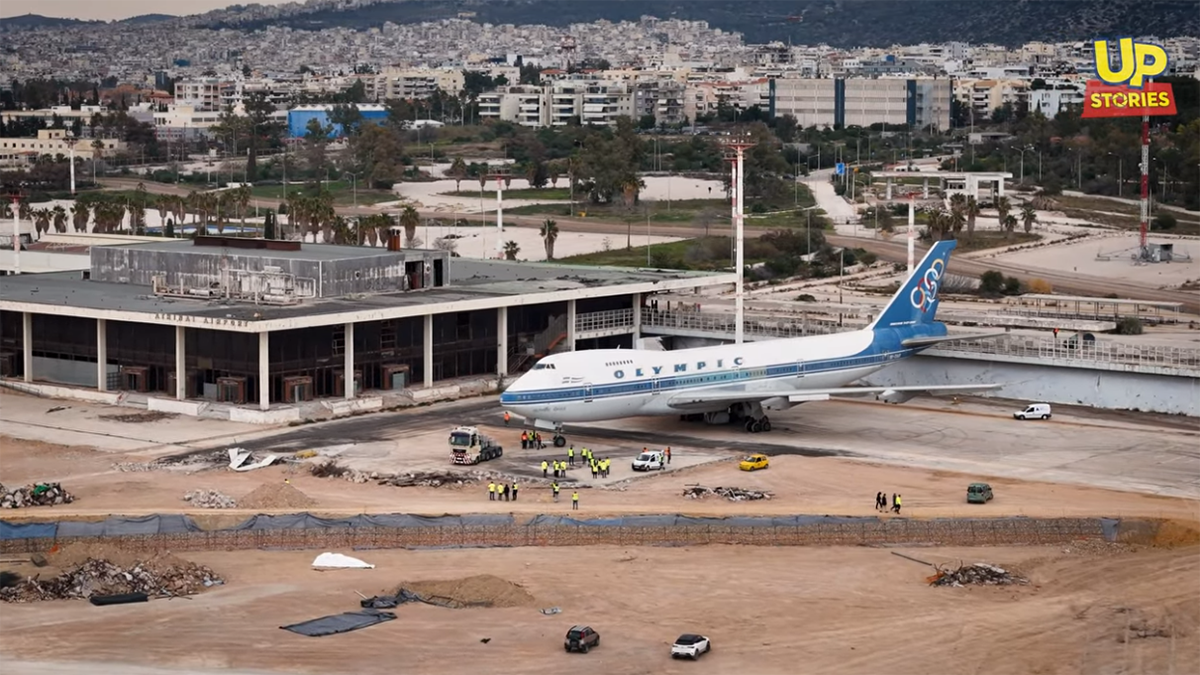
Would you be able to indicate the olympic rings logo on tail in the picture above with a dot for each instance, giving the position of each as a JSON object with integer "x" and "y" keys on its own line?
{"x": 924, "y": 294}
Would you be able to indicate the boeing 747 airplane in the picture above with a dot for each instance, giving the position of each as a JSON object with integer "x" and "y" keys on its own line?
{"x": 739, "y": 383}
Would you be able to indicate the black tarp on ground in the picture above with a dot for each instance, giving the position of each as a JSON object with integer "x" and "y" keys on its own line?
{"x": 340, "y": 623}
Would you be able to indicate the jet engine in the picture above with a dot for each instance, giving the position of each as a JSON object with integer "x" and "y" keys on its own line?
{"x": 893, "y": 396}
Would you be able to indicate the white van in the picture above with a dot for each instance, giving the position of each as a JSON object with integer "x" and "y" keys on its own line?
{"x": 648, "y": 461}
{"x": 1035, "y": 411}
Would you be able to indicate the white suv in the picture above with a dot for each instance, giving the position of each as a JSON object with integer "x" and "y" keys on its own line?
{"x": 649, "y": 460}
{"x": 690, "y": 645}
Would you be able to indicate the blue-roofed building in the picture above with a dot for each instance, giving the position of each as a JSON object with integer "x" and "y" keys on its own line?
{"x": 299, "y": 117}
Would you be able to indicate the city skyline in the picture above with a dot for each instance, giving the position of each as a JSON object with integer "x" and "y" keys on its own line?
{"x": 114, "y": 10}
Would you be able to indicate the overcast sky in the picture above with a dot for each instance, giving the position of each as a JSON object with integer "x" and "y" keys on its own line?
{"x": 115, "y": 9}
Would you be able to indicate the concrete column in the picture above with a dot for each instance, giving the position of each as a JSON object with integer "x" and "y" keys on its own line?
{"x": 1000, "y": 186}
{"x": 101, "y": 355}
{"x": 348, "y": 387}
{"x": 180, "y": 363}
{"x": 637, "y": 318}
{"x": 888, "y": 182}
{"x": 571, "y": 325}
{"x": 428, "y": 356}
{"x": 925, "y": 188}
{"x": 27, "y": 344}
{"x": 502, "y": 341}
{"x": 264, "y": 370}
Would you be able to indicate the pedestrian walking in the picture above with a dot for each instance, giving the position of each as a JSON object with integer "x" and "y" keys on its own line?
{"x": 595, "y": 470}
{"x": 545, "y": 467}
{"x": 507, "y": 418}
{"x": 878, "y": 500}
{"x": 668, "y": 454}
{"x": 575, "y": 500}
{"x": 492, "y": 491}
{"x": 524, "y": 440}
{"x": 893, "y": 502}
{"x": 554, "y": 489}
{"x": 538, "y": 437}
{"x": 899, "y": 501}
{"x": 571, "y": 455}
{"x": 514, "y": 490}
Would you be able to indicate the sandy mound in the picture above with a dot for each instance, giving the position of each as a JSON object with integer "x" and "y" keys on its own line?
{"x": 276, "y": 496}
{"x": 73, "y": 555}
{"x": 483, "y": 590}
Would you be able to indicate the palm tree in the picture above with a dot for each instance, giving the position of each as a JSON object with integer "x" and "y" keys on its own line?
{"x": 162, "y": 203}
{"x": 937, "y": 224}
{"x": 972, "y": 210}
{"x": 458, "y": 171}
{"x": 956, "y": 220}
{"x": 552, "y": 172}
{"x": 242, "y": 199}
{"x": 1028, "y": 217}
{"x": 81, "y": 214}
{"x": 409, "y": 220}
{"x": 574, "y": 164}
{"x": 511, "y": 249}
{"x": 60, "y": 219}
{"x": 1010, "y": 224}
{"x": 42, "y": 221}
{"x": 549, "y": 234}
{"x": 1003, "y": 206}
{"x": 630, "y": 186}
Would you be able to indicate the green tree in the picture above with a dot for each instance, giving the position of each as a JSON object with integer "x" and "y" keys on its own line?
{"x": 458, "y": 171}
{"x": 511, "y": 249}
{"x": 991, "y": 283}
{"x": 971, "y": 209}
{"x": 348, "y": 117}
{"x": 409, "y": 220}
{"x": 315, "y": 149}
{"x": 378, "y": 155}
{"x": 1028, "y": 217}
{"x": 169, "y": 228}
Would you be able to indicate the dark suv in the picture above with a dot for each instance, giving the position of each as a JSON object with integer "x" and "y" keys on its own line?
{"x": 581, "y": 639}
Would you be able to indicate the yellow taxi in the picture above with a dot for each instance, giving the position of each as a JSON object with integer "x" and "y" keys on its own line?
{"x": 754, "y": 463}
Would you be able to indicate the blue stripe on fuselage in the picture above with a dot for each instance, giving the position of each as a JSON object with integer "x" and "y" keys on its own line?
{"x": 885, "y": 347}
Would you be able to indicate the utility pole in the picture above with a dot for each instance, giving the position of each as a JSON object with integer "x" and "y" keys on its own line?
{"x": 739, "y": 145}
{"x": 912, "y": 222}
{"x": 499, "y": 174}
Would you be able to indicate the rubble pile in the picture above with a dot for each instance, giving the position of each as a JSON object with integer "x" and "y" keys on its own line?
{"x": 41, "y": 494}
{"x": 209, "y": 499}
{"x": 429, "y": 479}
{"x": 978, "y": 574}
{"x": 733, "y": 494}
{"x": 95, "y": 577}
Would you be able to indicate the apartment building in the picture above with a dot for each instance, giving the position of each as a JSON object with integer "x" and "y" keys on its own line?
{"x": 54, "y": 142}
{"x": 204, "y": 94}
{"x": 828, "y": 102}
{"x": 584, "y": 101}
{"x": 985, "y": 95}
{"x": 412, "y": 83}
{"x": 183, "y": 122}
{"x": 1059, "y": 95}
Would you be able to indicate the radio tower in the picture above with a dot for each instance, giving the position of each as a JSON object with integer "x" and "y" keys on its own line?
{"x": 738, "y": 145}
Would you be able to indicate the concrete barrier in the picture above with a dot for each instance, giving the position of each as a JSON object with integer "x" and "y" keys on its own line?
{"x": 68, "y": 393}
{"x": 269, "y": 417}
{"x": 170, "y": 405}
{"x": 1098, "y": 388}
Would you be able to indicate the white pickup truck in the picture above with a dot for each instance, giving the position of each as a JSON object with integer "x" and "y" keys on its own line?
{"x": 690, "y": 645}
{"x": 648, "y": 461}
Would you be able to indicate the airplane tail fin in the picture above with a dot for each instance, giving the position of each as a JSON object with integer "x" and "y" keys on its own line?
{"x": 916, "y": 302}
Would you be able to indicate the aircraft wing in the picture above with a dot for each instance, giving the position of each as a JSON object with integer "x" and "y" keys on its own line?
{"x": 701, "y": 399}
{"x": 930, "y": 341}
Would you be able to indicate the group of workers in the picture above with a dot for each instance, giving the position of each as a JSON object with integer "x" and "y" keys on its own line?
{"x": 532, "y": 440}
{"x": 502, "y": 491}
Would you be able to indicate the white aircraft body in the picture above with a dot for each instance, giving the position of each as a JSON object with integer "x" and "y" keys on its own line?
{"x": 740, "y": 383}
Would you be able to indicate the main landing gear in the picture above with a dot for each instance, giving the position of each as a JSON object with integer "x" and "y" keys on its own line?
{"x": 749, "y": 415}
{"x": 559, "y": 439}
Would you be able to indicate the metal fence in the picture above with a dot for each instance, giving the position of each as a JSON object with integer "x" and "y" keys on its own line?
{"x": 844, "y": 532}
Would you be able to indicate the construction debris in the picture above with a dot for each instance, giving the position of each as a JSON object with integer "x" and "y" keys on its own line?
{"x": 209, "y": 499}
{"x": 100, "y": 577}
{"x": 429, "y": 479}
{"x": 238, "y": 458}
{"x": 733, "y": 494}
{"x": 139, "y": 417}
{"x": 978, "y": 574}
{"x": 484, "y": 590}
{"x": 41, "y": 494}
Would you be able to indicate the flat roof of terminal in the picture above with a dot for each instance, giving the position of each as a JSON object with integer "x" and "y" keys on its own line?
{"x": 487, "y": 282}
{"x": 316, "y": 252}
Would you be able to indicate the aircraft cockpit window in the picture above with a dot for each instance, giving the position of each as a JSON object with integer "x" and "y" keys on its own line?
{"x": 544, "y": 366}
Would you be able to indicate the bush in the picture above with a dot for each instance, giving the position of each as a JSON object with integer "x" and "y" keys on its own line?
{"x": 1012, "y": 286}
{"x": 1130, "y": 325}
{"x": 805, "y": 297}
{"x": 1040, "y": 286}
{"x": 991, "y": 283}
{"x": 866, "y": 257}
{"x": 1164, "y": 221}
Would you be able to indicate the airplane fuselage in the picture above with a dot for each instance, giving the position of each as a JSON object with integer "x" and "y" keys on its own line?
{"x": 607, "y": 384}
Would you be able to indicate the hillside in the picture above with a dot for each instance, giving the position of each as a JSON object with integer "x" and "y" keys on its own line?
{"x": 27, "y": 21}
{"x": 842, "y": 23}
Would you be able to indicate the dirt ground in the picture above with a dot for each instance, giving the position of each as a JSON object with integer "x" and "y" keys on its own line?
{"x": 801, "y": 485}
{"x": 836, "y": 610}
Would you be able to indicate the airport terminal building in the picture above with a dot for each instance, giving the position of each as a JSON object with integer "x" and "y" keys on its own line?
{"x": 255, "y": 323}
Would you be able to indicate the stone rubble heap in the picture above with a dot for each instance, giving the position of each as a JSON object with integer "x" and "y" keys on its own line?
{"x": 733, "y": 494}
{"x": 41, "y": 494}
{"x": 209, "y": 499}
{"x": 429, "y": 479}
{"x": 100, "y": 577}
{"x": 978, "y": 574}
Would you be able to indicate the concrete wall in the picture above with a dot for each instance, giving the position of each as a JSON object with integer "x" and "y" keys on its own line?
{"x": 1173, "y": 394}
{"x": 39, "y": 262}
